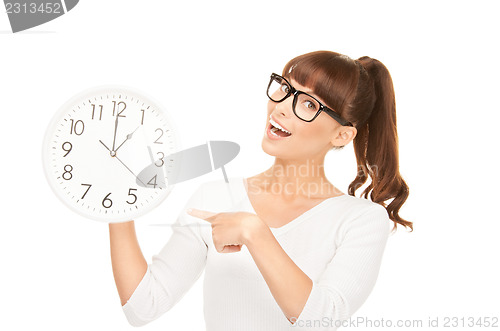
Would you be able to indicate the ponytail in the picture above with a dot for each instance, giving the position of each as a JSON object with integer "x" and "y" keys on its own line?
{"x": 376, "y": 141}
{"x": 361, "y": 91}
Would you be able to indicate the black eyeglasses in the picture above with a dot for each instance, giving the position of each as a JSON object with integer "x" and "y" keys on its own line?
{"x": 305, "y": 106}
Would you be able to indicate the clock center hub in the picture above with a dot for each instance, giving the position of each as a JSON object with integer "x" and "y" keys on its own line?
{"x": 112, "y": 153}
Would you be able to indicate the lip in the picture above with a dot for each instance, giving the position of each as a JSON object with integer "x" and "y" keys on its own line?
{"x": 284, "y": 127}
{"x": 271, "y": 136}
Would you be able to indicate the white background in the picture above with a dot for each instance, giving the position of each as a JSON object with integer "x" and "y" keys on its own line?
{"x": 208, "y": 63}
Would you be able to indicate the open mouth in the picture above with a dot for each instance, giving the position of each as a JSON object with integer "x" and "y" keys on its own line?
{"x": 277, "y": 131}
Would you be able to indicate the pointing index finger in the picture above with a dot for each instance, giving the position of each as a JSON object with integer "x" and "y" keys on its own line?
{"x": 203, "y": 214}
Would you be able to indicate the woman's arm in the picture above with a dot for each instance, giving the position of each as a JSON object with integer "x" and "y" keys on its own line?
{"x": 129, "y": 265}
{"x": 344, "y": 285}
{"x": 147, "y": 291}
{"x": 289, "y": 285}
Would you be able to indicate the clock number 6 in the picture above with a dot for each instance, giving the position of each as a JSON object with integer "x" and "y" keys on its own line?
{"x": 107, "y": 199}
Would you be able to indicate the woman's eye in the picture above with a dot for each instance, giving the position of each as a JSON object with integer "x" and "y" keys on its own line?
{"x": 309, "y": 105}
{"x": 285, "y": 88}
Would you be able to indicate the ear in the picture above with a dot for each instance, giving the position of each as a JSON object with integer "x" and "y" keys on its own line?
{"x": 343, "y": 136}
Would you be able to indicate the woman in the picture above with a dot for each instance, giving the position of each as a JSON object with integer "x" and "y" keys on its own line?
{"x": 304, "y": 254}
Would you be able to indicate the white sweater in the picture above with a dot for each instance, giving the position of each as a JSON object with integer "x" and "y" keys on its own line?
{"x": 338, "y": 243}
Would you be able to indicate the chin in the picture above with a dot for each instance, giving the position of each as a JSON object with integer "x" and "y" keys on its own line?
{"x": 268, "y": 148}
{"x": 273, "y": 150}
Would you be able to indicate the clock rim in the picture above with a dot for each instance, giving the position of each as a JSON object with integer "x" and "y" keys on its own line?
{"x": 50, "y": 130}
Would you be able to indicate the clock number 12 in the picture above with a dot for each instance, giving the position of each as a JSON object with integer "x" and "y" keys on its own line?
{"x": 119, "y": 111}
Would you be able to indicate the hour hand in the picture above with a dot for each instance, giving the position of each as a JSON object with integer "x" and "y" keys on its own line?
{"x": 104, "y": 145}
{"x": 110, "y": 151}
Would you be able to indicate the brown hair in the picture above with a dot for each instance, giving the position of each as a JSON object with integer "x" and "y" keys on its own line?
{"x": 361, "y": 91}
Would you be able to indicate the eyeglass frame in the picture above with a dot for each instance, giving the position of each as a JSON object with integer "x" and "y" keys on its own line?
{"x": 296, "y": 92}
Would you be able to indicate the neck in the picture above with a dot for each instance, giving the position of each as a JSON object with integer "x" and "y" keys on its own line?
{"x": 292, "y": 179}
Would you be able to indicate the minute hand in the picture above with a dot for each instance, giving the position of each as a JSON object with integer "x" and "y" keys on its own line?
{"x": 114, "y": 134}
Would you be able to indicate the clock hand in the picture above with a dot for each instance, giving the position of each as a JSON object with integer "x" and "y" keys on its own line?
{"x": 112, "y": 153}
{"x": 129, "y": 136}
{"x": 104, "y": 145}
{"x": 114, "y": 135}
{"x": 116, "y": 157}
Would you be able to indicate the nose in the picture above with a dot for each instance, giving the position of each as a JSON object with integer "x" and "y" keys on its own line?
{"x": 283, "y": 108}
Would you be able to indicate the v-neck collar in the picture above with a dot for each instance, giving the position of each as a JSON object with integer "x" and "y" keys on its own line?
{"x": 243, "y": 185}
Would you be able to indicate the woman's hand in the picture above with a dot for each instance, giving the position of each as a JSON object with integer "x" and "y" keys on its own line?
{"x": 231, "y": 230}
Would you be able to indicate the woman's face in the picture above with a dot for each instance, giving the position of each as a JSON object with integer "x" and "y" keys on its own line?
{"x": 308, "y": 140}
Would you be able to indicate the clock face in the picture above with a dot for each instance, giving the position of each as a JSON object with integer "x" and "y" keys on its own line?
{"x": 97, "y": 146}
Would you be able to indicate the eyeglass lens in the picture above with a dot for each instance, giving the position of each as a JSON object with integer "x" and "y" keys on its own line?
{"x": 305, "y": 106}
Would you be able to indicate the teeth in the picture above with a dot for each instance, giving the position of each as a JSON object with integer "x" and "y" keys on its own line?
{"x": 277, "y": 125}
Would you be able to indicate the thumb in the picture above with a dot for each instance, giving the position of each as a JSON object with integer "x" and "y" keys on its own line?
{"x": 231, "y": 248}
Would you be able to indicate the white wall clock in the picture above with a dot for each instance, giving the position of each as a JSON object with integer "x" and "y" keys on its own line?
{"x": 99, "y": 142}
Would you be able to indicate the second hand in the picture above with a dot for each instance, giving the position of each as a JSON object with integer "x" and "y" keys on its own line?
{"x": 116, "y": 157}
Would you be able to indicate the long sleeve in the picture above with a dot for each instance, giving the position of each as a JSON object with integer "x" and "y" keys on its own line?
{"x": 351, "y": 274}
{"x": 172, "y": 272}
